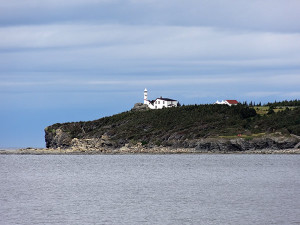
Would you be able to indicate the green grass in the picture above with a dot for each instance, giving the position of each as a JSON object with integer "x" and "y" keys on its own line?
{"x": 263, "y": 110}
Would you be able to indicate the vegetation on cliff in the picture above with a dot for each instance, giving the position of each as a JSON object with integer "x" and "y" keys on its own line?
{"x": 166, "y": 126}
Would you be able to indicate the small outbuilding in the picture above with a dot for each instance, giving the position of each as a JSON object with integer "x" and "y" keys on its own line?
{"x": 227, "y": 102}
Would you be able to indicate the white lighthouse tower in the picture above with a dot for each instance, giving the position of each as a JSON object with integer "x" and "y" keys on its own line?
{"x": 145, "y": 96}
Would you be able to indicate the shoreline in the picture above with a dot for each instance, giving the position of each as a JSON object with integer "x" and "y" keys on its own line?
{"x": 135, "y": 151}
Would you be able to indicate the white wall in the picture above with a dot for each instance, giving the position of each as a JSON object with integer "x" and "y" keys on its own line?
{"x": 159, "y": 103}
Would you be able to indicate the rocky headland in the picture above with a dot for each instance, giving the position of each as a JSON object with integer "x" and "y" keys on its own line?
{"x": 186, "y": 129}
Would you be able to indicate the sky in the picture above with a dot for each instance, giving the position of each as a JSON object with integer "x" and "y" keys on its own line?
{"x": 80, "y": 60}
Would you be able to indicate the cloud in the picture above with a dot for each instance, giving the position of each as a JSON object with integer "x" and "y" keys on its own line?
{"x": 262, "y": 93}
{"x": 132, "y": 81}
{"x": 268, "y": 15}
{"x": 279, "y": 95}
{"x": 106, "y": 54}
{"x": 295, "y": 94}
{"x": 128, "y": 48}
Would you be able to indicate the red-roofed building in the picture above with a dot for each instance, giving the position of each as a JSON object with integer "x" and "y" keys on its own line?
{"x": 227, "y": 102}
{"x": 231, "y": 102}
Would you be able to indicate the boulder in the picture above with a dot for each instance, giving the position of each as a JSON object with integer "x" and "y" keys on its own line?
{"x": 140, "y": 107}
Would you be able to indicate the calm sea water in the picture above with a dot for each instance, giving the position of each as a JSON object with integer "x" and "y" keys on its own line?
{"x": 149, "y": 189}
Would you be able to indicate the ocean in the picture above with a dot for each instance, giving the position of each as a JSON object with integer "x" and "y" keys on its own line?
{"x": 150, "y": 189}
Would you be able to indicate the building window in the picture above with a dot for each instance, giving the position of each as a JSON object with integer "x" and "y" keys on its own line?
{"x": 163, "y": 102}
{"x": 158, "y": 102}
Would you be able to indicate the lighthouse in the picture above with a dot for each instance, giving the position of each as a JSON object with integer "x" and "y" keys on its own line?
{"x": 145, "y": 96}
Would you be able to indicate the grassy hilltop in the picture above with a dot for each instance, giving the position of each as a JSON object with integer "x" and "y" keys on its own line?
{"x": 163, "y": 127}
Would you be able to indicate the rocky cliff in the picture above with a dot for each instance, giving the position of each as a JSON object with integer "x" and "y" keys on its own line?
{"x": 59, "y": 139}
{"x": 202, "y": 128}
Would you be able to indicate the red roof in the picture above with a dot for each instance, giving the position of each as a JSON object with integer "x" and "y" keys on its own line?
{"x": 232, "y": 102}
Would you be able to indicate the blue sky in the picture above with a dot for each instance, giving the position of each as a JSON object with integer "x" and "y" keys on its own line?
{"x": 78, "y": 60}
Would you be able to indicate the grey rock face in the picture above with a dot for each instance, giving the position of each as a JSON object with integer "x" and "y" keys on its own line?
{"x": 57, "y": 138}
{"x": 91, "y": 143}
{"x": 140, "y": 107}
{"x": 242, "y": 144}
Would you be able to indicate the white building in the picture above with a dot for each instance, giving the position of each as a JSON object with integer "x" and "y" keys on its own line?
{"x": 227, "y": 102}
{"x": 159, "y": 103}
